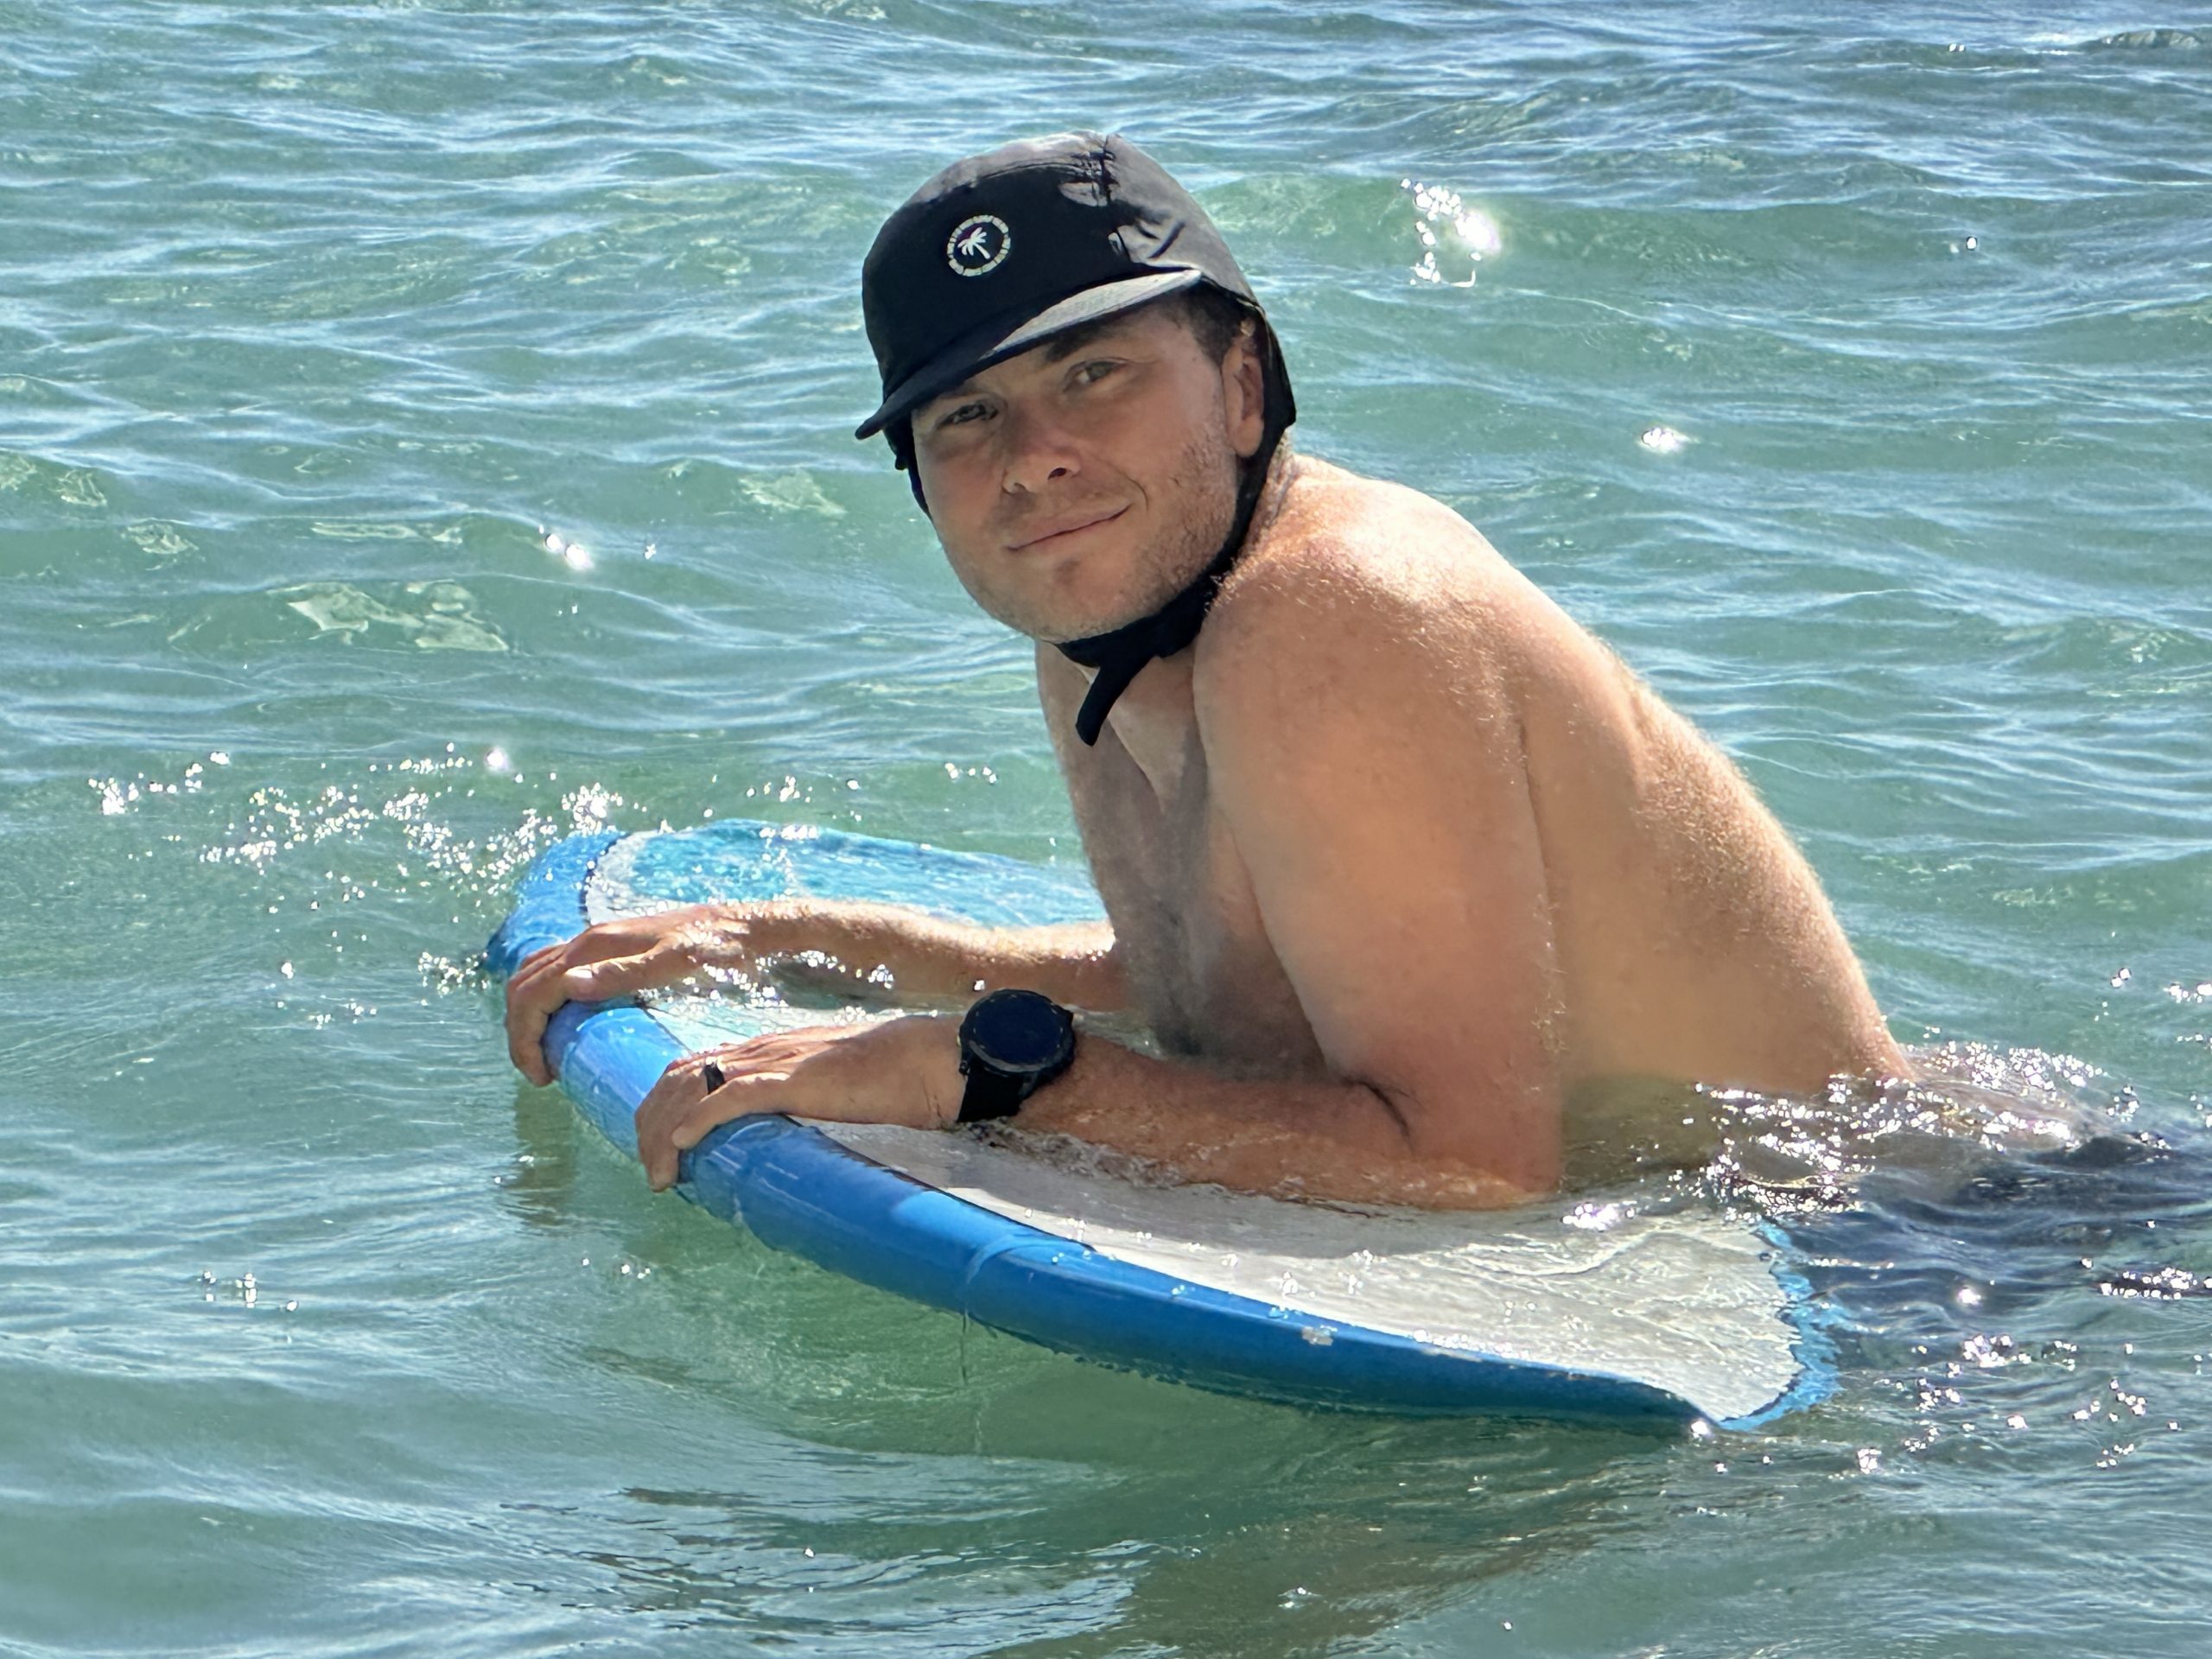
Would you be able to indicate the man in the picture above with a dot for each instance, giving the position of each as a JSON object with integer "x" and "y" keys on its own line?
{"x": 1396, "y": 857}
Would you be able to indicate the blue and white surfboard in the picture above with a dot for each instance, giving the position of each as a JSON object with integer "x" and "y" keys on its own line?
{"x": 1558, "y": 1309}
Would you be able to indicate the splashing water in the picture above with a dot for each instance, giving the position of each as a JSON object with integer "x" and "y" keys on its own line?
{"x": 1452, "y": 235}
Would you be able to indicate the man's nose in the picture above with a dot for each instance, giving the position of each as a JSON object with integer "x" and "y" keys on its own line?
{"x": 1040, "y": 452}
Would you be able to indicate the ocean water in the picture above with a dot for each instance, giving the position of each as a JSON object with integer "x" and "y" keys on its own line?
{"x": 424, "y": 428}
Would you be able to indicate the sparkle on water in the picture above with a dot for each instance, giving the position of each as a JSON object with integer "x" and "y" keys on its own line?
{"x": 424, "y": 433}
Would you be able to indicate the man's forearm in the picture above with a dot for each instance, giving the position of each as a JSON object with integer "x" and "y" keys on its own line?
{"x": 1316, "y": 1138}
{"x": 927, "y": 956}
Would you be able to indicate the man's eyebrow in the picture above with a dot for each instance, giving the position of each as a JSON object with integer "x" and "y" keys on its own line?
{"x": 962, "y": 390}
{"x": 1061, "y": 347}
{"x": 1058, "y": 349}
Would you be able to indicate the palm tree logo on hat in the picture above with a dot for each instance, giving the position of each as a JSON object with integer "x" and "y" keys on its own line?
{"x": 978, "y": 244}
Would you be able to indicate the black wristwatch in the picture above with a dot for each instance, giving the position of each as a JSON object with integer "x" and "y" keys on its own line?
{"x": 1012, "y": 1044}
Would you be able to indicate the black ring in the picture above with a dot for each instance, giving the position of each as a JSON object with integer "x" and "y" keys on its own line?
{"x": 711, "y": 1075}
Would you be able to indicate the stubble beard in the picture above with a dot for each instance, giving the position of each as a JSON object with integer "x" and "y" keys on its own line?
{"x": 1203, "y": 482}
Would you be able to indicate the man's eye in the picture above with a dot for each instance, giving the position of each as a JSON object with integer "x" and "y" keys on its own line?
{"x": 962, "y": 415}
{"x": 1097, "y": 369}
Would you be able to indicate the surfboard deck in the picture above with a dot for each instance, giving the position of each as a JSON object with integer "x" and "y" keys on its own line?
{"x": 1561, "y": 1310}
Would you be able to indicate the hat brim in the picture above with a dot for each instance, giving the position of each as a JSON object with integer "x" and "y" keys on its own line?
{"x": 1005, "y": 336}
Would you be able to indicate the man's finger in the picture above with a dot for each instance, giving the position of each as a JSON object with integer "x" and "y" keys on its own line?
{"x": 537, "y": 959}
{"x": 534, "y": 994}
{"x": 679, "y": 1087}
{"x": 685, "y": 1117}
{"x": 527, "y": 1013}
{"x": 681, "y": 1108}
{"x": 652, "y": 1136}
{"x": 600, "y": 981}
{"x": 528, "y": 1009}
{"x": 547, "y": 963}
{"x": 737, "y": 1097}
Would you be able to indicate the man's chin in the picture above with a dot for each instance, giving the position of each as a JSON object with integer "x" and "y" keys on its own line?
{"x": 1066, "y": 633}
{"x": 1070, "y": 622}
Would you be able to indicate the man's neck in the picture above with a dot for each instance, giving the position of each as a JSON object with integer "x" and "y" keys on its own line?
{"x": 1155, "y": 720}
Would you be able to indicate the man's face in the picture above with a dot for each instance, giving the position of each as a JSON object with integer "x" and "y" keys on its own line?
{"x": 1082, "y": 485}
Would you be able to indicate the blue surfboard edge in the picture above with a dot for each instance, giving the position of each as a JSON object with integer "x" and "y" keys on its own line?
{"x": 797, "y": 1189}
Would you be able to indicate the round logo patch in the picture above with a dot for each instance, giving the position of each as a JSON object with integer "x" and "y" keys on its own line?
{"x": 978, "y": 246}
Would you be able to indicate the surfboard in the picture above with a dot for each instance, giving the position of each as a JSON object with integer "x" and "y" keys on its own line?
{"x": 1562, "y": 1309}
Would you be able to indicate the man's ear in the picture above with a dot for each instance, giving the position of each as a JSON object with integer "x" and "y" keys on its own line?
{"x": 1244, "y": 389}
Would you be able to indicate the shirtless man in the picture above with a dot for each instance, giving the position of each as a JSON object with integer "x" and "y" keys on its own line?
{"x": 1396, "y": 858}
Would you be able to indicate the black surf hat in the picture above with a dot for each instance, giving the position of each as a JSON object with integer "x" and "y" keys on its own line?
{"x": 1000, "y": 253}
{"x": 1005, "y": 249}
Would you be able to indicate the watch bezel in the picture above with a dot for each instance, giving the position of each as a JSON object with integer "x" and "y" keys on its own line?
{"x": 996, "y": 1087}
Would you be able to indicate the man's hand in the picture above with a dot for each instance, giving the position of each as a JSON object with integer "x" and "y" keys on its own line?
{"x": 903, "y": 1072}
{"x": 621, "y": 958}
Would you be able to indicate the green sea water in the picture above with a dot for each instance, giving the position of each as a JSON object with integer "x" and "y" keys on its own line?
{"x": 425, "y": 429}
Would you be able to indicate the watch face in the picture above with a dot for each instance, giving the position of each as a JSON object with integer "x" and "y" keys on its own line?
{"x": 1019, "y": 1030}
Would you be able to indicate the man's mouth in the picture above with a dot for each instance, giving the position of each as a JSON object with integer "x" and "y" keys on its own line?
{"x": 1037, "y": 535}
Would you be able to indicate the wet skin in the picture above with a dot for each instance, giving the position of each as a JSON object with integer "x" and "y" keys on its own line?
{"x": 1396, "y": 858}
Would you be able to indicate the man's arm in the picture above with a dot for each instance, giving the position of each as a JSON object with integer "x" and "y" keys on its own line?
{"x": 1365, "y": 756}
{"x": 1363, "y": 750}
{"x": 1321, "y": 1138}
{"x": 928, "y": 957}
{"x": 924, "y": 957}
{"x": 1364, "y": 746}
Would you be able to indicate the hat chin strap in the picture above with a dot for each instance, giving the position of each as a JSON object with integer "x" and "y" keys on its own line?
{"x": 1122, "y": 654}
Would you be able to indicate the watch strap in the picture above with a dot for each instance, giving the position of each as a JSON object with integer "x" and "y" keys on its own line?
{"x": 991, "y": 1095}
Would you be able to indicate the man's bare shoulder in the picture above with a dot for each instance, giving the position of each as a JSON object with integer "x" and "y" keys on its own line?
{"x": 1335, "y": 522}
{"x": 1361, "y": 577}
{"x": 1365, "y": 613}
